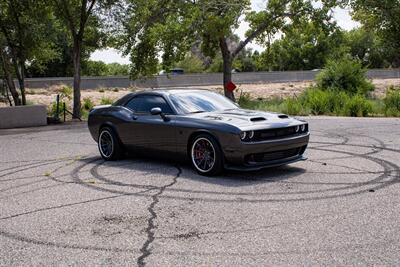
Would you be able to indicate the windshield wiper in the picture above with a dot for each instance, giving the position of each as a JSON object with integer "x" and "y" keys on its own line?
{"x": 197, "y": 111}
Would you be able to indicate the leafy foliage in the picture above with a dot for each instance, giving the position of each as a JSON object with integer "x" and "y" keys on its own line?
{"x": 392, "y": 102}
{"x": 344, "y": 75}
{"x": 381, "y": 17}
{"x": 304, "y": 46}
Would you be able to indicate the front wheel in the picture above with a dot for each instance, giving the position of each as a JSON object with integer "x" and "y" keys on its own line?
{"x": 206, "y": 155}
{"x": 109, "y": 145}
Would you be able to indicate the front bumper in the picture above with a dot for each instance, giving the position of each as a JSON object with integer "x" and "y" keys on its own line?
{"x": 271, "y": 153}
{"x": 269, "y": 164}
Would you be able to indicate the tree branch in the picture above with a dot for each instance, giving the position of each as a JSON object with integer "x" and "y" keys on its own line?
{"x": 85, "y": 15}
{"x": 68, "y": 17}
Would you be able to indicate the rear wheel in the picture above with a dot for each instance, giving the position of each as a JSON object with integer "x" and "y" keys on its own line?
{"x": 206, "y": 155}
{"x": 109, "y": 145}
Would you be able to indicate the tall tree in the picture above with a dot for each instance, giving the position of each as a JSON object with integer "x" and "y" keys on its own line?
{"x": 304, "y": 46}
{"x": 76, "y": 14}
{"x": 7, "y": 73}
{"x": 24, "y": 27}
{"x": 382, "y": 17}
{"x": 169, "y": 28}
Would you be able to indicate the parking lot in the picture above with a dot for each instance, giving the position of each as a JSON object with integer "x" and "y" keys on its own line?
{"x": 61, "y": 204}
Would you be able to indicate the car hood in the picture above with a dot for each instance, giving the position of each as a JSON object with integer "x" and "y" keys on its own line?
{"x": 249, "y": 119}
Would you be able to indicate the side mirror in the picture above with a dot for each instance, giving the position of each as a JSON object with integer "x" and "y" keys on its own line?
{"x": 156, "y": 111}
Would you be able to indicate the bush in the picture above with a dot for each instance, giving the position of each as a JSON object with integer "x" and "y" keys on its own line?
{"x": 357, "y": 106}
{"x": 87, "y": 104}
{"x": 65, "y": 92}
{"x": 292, "y": 106}
{"x": 106, "y": 101}
{"x": 392, "y": 102}
{"x": 344, "y": 75}
{"x": 317, "y": 101}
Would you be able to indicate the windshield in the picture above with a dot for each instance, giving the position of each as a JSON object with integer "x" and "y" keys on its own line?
{"x": 196, "y": 102}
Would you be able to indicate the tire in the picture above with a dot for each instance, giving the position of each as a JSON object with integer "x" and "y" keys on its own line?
{"x": 109, "y": 145}
{"x": 206, "y": 155}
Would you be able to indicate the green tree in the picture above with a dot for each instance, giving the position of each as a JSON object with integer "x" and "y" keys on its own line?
{"x": 116, "y": 69}
{"x": 169, "y": 28}
{"x": 367, "y": 47}
{"x": 382, "y": 17}
{"x": 304, "y": 46}
{"x": 24, "y": 27}
{"x": 82, "y": 19}
{"x": 94, "y": 68}
{"x": 191, "y": 64}
{"x": 6, "y": 71}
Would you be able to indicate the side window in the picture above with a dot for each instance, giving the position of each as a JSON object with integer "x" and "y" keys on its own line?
{"x": 149, "y": 102}
{"x": 134, "y": 104}
{"x": 143, "y": 104}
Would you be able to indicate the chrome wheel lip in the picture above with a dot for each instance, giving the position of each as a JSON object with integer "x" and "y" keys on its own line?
{"x": 106, "y": 144}
{"x": 193, "y": 155}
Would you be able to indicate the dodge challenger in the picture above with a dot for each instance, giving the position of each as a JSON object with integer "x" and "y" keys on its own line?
{"x": 202, "y": 126}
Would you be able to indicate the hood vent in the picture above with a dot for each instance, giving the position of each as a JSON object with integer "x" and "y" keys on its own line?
{"x": 282, "y": 116}
{"x": 258, "y": 119}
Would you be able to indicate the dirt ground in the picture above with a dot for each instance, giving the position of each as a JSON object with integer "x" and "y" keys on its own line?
{"x": 266, "y": 91}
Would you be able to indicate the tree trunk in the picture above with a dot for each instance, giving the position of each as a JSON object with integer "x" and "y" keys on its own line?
{"x": 77, "y": 78}
{"x": 21, "y": 80}
{"x": 227, "y": 66}
{"x": 228, "y": 78}
{"x": 9, "y": 79}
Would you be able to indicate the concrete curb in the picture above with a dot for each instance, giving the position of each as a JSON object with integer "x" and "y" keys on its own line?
{"x": 23, "y": 116}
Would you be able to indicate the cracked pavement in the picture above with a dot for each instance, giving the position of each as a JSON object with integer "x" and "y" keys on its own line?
{"x": 61, "y": 204}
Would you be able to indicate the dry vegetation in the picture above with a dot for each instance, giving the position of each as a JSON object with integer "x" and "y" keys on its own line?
{"x": 256, "y": 91}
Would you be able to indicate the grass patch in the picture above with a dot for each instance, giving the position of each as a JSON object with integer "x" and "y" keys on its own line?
{"x": 106, "y": 101}
{"x": 314, "y": 101}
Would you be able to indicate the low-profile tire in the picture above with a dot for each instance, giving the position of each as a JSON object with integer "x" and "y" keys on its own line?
{"x": 109, "y": 145}
{"x": 206, "y": 155}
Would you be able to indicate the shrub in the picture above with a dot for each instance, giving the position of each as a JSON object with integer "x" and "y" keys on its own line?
{"x": 115, "y": 90}
{"x": 292, "y": 106}
{"x": 87, "y": 104}
{"x": 66, "y": 91}
{"x": 106, "y": 101}
{"x": 344, "y": 75}
{"x": 101, "y": 90}
{"x": 392, "y": 102}
{"x": 317, "y": 101}
{"x": 358, "y": 106}
{"x": 244, "y": 100}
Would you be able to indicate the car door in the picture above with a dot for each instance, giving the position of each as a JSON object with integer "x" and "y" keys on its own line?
{"x": 150, "y": 133}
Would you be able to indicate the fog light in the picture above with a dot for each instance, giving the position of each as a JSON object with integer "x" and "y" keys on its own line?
{"x": 250, "y": 134}
{"x": 243, "y": 135}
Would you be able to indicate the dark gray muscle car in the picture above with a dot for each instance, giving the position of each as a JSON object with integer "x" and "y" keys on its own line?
{"x": 200, "y": 125}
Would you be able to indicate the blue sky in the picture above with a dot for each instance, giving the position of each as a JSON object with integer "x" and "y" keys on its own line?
{"x": 341, "y": 15}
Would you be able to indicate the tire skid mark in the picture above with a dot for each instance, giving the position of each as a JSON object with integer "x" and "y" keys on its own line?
{"x": 17, "y": 169}
{"x": 146, "y": 250}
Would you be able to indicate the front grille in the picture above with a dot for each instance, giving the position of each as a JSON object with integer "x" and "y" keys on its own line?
{"x": 270, "y": 134}
{"x": 272, "y": 156}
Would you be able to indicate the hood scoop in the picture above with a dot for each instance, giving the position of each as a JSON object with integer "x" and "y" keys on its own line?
{"x": 283, "y": 116}
{"x": 256, "y": 119}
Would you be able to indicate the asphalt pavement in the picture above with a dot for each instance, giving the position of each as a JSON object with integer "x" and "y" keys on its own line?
{"x": 62, "y": 205}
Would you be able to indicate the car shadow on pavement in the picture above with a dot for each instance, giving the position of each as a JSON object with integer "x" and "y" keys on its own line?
{"x": 226, "y": 178}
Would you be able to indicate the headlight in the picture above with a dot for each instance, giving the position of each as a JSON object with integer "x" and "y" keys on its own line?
{"x": 243, "y": 135}
{"x": 250, "y": 134}
{"x": 297, "y": 128}
{"x": 303, "y": 128}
